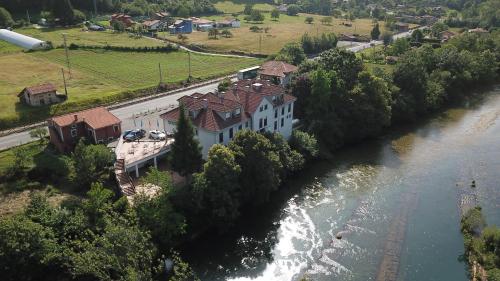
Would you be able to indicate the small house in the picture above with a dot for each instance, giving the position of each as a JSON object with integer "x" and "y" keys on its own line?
{"x": 97, "y": 125}
{"x": 278, "y": 72}
{"x": 161, "y": 16}
{"x": 181, "y": 26}
{"x": 478, "y": 30}
{"x": 446, "y": 35}
{"x": 40, "y": 95}
{"x": 401, "y": 27}
{"x": 152, "y": 25}
{"x": 202, "y": 24}
{"x": 125, "y": 19}
{"x": 229, "y": 22}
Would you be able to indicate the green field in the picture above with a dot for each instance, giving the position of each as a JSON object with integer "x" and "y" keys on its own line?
{"x": 286, "y": 29}
{"x": 83, "y": 37}
{"x": 98, "y": 76}
{"x": 229, "y": 7}
{"x": 8, "y": 48}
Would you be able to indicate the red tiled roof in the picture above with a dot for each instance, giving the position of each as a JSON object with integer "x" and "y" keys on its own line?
{"x": 95, "y": 118}
{"x": 39, "y": 89}
{"x": 277, "y": 68}
{"x": 149, "y": 23}
{"x": 244, "y": 95}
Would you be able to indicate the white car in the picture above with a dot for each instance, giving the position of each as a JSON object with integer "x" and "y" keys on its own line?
{"x": 157, "y": 135}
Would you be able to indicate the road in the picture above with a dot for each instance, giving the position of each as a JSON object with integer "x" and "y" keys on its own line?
{"x": 145, "y": 113}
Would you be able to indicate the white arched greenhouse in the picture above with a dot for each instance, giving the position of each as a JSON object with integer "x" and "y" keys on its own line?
{"x": 23, "y": 41}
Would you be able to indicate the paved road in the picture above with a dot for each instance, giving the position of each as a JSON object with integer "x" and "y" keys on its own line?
{"x": 367, "y": 45}
{"x": 132, "y": 116}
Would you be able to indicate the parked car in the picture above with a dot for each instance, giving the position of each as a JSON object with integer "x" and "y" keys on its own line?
{"x": 135, "y": 135}
{"x": 126, "y": 133}
{"x": 157, "y": 135}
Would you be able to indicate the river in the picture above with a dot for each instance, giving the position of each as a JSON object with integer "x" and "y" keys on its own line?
{"x": 394, "y": 200}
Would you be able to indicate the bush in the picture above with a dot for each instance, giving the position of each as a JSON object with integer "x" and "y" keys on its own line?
{"x": 305, "y": 144}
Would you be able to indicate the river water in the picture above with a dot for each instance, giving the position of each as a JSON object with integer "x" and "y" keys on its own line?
{"x": 394, "y": 201}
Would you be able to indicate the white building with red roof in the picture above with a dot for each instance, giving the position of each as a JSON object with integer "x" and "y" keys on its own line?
{"x": 255, "y": 105}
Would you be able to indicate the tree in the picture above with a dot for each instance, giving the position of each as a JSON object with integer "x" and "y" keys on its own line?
{"x": 305, "y": 144}
{"x": 290, "y": 159}
{"x": 226, "y": 33}
{"x": 386, "y": 38}
{"x": 118, "y": 26}
{"x": 346, "y": 65}
{"x": 224, "y": 85}
{"x": 293, "y": 10}
{"x": 336, "y": 13}
{"x": 400, "y": 46}
{"x": 40, "y": 133}
{"x": 186, "y": 151}
{"x": 292, "y": 53}
{"x": 91, "y": 162}
{"x": 21, "y": 160}
{"x": 212, "y": 33}
{"x": 248, "y": 9}
{"x": 218, "y": 187}
{"x": 183, "y": 11}
{"x": 375, "y": 33}
{"x": 275, "y": 14}
{"x": 417, "y": 36}
{"x": 5, "y": 18}
{"x": 437, "y": 28}
{"x": 158, "y": 178}
{"x": 326, "y": 20}
{"x": 63, "y": 10}
{"x": 309, "y": 20}
{"x": 256, "y": 16}
{"x": 260, "y": 166}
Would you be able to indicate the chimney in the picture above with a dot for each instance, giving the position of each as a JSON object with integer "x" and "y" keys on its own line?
{"x": 205, "y": 103}
{"x": 76, "y": 117}
{"x": 257, "y": 86}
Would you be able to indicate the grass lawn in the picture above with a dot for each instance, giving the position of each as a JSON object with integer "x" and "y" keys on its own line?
{"x": 228, "y": 7}
{"x": 98, "y": 38}
{"x": 98, "y": 76}
{"x": 286, "y": 29}
{"x": 6, "y": 47}
{"x": 387, "y": 68}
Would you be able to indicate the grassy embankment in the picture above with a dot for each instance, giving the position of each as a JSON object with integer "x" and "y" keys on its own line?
{"x": 44, "y": 171}
{"x": 286, "y": 29}
{"x": 98, "y": 76}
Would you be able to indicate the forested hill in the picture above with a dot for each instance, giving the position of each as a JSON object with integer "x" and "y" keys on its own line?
{"x": 135, "y": 8}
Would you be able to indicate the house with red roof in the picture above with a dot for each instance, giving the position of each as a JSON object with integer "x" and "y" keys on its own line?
{"x": 277, "y": 71}
{"x": 255, "y": 105}
{"x": 40, "y": 95}
{"x": 123, "y": 18}
{"x": 98, "y": 125}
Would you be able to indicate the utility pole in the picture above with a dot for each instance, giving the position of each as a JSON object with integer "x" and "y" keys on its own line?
{"x": 67, "y": 54}
{"x": 28, "y": 16}
{"x": 189, "y": 55}
{"x": 260, "y": 44}
{"x": 64, "y": 80}
{"x": 161, "y": 77}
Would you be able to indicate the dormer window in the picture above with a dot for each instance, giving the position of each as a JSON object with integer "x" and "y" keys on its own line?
{"x": 237, "y": 111}
{"x": 228, "y": 115}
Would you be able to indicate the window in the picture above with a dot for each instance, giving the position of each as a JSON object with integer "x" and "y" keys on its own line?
{"x": 289, "y": 107}
{"x": 196, "y": 131}
{"x": 261, "y": 108}
{"x": 228, "y": 115}
{"x": 274, "y": 98}
{"x": 237, "y": 111}
{"x": 240, "y": 127}
{"x": 231, "y": 133}
{"x": 110, "y": 139}
{"x": 275, "y": 125}
{"x": 283, "y": 110}
{"x": 265, "y": 107}
{"x": 73, "y": 132}
{"x": 265, "y": 122}
{"x": 73, "y": 126}
{"x": 115, "y": 128}
{"x": 221, "y": 137}
{"x": 246, "y": 124}
{"x": 276, "y": 113}
{"x": 100, "y": 141}
{"x": 282, "y": 122}
{"x": 260, "y": 123}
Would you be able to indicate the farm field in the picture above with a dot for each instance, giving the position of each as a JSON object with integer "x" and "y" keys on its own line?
{"x": 286, "y": 29}
{"x": 81, "y": 37}
{"x": 98, "y": 76}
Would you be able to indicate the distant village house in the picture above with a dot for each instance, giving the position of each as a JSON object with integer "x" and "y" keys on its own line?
{"x": 97, "y": 125}
{"x": 40, "y": 95}
{"x": 125, "y": 19}
{"x": 181, "y": 26}
{"x": 229, "y": 22}
{"x": 278, "y": 72}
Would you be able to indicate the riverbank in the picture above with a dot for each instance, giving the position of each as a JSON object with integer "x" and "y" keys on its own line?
{"x": 362, "y": 190}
